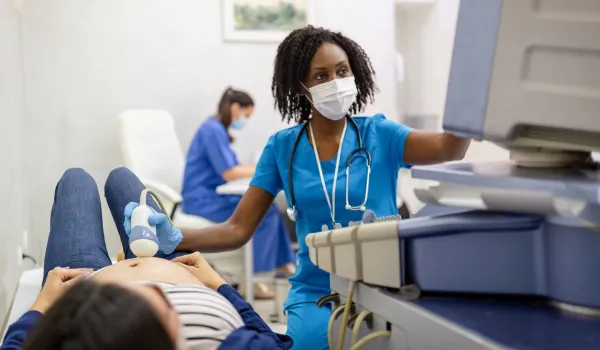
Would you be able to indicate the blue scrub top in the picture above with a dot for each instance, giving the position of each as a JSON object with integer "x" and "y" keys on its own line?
{"x": 209, "y": 156}
{"x": 385, "y": 141}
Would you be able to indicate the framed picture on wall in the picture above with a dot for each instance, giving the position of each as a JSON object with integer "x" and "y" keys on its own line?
{"x": 263, "y": 20}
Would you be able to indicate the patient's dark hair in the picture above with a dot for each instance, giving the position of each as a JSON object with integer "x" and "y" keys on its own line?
{"x": 231, "y": 96}
{"x": 96, "y": 316}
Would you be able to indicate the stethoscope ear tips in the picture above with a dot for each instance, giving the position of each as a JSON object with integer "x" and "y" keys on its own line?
{"x": 348, "y": 207}
{"x": 363, "y": 208}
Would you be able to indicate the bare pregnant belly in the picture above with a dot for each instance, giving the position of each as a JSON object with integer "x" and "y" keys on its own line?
{"x": 145, "y": 269}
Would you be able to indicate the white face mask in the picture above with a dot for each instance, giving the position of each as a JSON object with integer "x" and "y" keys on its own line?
{"x": 334, "y": 98}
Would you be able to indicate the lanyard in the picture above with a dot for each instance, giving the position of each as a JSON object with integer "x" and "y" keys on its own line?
{"x": 330, "y": 203}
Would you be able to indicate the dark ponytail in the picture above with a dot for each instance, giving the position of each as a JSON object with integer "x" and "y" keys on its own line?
{"x": 231, "y": 96}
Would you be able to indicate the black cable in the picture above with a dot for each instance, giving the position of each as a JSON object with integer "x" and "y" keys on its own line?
{"x": 29, "y": 257}
{"x": 404, "y": 212}
{"x": 175, "y": 206}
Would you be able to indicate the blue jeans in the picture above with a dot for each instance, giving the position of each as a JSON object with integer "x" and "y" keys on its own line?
{"x": 76, "y": 238}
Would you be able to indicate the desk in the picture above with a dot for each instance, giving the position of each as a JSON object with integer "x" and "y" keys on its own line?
{"x": 237, "y": 187}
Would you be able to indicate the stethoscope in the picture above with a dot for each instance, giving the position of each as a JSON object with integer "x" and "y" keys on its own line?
{"x": 358, "y": 152}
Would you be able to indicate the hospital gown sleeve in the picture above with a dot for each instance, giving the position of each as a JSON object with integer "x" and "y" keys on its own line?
{"x": 256, "y": 334}
{"x": 18, "y": 331}
{"x": 220, "y": 155}
{"x": 266, "y": 175}
{"x": 394, "y": 134}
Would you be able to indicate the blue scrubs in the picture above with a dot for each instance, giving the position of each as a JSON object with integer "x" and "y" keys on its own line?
{"x": 209, "y": 156}
{"x": 385, "y": 139}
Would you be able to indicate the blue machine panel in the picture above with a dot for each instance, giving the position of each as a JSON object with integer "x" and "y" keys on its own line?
{"x": 492, "y": 253}
{"x": 522, "y": 325}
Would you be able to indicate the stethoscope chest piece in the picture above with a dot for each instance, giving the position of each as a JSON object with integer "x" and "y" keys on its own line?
{"x": 292, "y": 213}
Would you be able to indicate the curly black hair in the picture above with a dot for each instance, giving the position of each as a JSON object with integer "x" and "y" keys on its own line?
{"x": 292, "y": 64}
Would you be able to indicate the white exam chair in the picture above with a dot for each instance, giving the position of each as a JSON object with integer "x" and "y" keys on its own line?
{"x": 151, "y": 149}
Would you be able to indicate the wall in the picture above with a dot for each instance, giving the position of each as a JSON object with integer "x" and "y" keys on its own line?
{"x": 89, "y": 60}
{"x": 13, "y": 216}
{"x": 425, "y": 37}
{"x": 363, "y": 23}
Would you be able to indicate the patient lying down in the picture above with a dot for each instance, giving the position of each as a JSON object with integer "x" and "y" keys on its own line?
{"x": 143, "y": 303}
{"x": 139, "y": 303}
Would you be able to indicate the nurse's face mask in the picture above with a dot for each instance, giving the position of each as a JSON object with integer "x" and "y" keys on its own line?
{"x": 243, "y": 116}
{"x": 333, "y": 98}
{"x": 240, "y": 123}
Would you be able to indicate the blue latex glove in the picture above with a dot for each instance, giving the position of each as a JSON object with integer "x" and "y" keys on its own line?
{"x": 169, "y": 237}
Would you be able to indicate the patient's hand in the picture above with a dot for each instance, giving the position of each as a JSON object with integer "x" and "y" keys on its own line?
{"x": 57, "y": 282}
{"x": 199, "y": 267}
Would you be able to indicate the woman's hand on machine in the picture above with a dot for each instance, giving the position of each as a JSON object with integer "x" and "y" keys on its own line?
{"x": 169, "y": 237}
{"x": 201, "y": 269}
{"x": 57, "y": 282}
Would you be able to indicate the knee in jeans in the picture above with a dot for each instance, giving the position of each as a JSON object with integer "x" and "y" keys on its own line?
{"x": 116, "y": 175}
{"x": 76, "y": 178}
{"x": 79, "y": 175}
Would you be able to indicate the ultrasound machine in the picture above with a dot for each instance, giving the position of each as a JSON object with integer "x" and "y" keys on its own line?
{"x": 504, "y": 255}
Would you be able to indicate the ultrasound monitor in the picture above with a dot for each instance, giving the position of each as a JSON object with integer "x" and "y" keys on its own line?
{"x": 525, "y": 74}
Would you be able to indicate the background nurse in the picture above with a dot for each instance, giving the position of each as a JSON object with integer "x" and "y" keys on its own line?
{"x": 210, "y": 163}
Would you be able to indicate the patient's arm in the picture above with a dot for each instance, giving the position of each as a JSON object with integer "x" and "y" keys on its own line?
{"x": 57, "y": 282}
{"x": 18, "y": 331}
{"x": 239, "y": 172}
{"x": 236, "y": 231}
{"x": 256, "y": 335}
